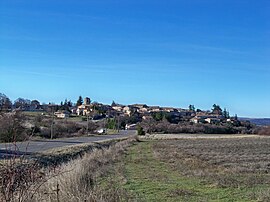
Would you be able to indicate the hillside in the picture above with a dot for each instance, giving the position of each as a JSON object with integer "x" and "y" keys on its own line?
{"x": 257, "y": 121}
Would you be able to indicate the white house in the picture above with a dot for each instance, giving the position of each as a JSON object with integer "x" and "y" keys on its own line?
{"x": 62, "y": 114}
{"x": 118, "y": 108}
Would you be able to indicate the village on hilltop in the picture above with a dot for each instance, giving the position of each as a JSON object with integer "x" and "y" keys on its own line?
{"x": 98, "y": 111}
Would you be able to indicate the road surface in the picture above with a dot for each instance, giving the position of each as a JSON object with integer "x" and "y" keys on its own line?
{"x": 35, "y": 146}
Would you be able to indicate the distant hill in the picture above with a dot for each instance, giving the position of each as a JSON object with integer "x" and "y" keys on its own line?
{"x": 257, "y": 121}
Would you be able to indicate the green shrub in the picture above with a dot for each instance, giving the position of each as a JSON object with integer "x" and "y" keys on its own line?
{"x": 140, "y": 131}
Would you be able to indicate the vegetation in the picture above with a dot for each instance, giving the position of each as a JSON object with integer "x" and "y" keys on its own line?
{"x": 11, "y": 127}
{"x": 5, "y": 102}
{"x": 191, "y": 108}
{"x": 112, "y": 123}
{"x": 63, "y": 128}
{"x": 77, "y": 180}
{"x": 217, "y": 109}
{"x": 140, "y": 131}
{"x": 21, "y": 103}
{"x": 265, "y": 131}
{"x": 20, "y": 126}
{"x": 201, "y": 170}
{"x": 79, "y": 101}
{"x": 165, "y": 126}
{"x": 169, "y": 170}
{"x": 66, "y": 105}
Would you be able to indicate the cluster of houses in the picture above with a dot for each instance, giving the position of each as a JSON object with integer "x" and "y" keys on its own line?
{"x": 184, "y": 114}
{"x": 202, "y": 117}
{"x": 98, "y": 110}
{"x": 88, "y": 108}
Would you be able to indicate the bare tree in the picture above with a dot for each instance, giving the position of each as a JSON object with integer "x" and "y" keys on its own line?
{"x": 22, "y": 103}
{"x": 149, "y": 125}
{"x": 11, "y": 127}
{"x": 5, "y": 103}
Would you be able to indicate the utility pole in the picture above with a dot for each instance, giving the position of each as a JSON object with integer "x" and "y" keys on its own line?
{"x": 52, "y": 124}
{"x": 118, "y": 122}
{"x": 87, "y": 127}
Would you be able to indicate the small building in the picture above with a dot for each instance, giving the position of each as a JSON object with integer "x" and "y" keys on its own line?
{"x": 147, "y": 117}
{"x": 197, "y": 120}
{"x": 62, "y": 114}
{"x": 127, "y": 110}
{"x": 212, "y": 120}
{"x": 143, "y": 110}
{"x": 169, "y": 109}
{"x": 73, "y": 110}
{"x": 155, "y": 109}
{"x": 118, "y": 108}
{"x": 140, "y": 106}
{"x": 85, "y": 108}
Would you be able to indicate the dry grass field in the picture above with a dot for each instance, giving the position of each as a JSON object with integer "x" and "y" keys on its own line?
{"x": 245, "y": 155}
{"x": 190, "y": 169}
{"x": 200, "y": 170}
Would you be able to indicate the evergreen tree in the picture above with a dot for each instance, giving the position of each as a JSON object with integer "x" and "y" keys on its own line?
{"x": 216, "y": 109}
{"x": 69, "y": 103}
{"x": 79, "y": 101}
{"x": 113, "y": 104}
{"x": 226, "y": 113}
{"x": 191, "y": 108}
{"x": 65, "y": 103}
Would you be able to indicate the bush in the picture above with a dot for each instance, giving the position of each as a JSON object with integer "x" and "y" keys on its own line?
{"x": 265, "y": 131}
{"x": 140, "y": 131}
{"x": 186, "y": 127}
{"x": 45, "y": 132}
{"x": 11, "y": 127}
{"x": 60, "y": 129}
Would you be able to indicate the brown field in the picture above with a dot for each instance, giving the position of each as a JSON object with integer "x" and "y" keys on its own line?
{"x": 226, "y": 163}
{"x": 239, "y": 155}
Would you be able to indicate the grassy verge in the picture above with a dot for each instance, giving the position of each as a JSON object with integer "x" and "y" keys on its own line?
{"x": 81, "y": 179}
{"x": 25, "y": 179}
{"x": 61, "y": 155}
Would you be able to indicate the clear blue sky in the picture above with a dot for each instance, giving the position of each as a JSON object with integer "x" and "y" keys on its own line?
{"x": 168, "y": 53}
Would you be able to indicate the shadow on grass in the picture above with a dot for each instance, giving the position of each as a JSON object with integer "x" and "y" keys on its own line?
{"x": 60, "y": 141}
{"x": 6, "y": 154}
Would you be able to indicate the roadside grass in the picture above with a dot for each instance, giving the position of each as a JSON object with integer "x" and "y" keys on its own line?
{"x": 111, "y": 131}
{"x": 149, "y": 173}
{"x": 22, "y": 178}
{"x": 81, "y": 179}
{"x": 64, "y": 154}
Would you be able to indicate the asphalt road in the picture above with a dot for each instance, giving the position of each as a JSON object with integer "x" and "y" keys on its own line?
{"x": 35, "y": 146}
